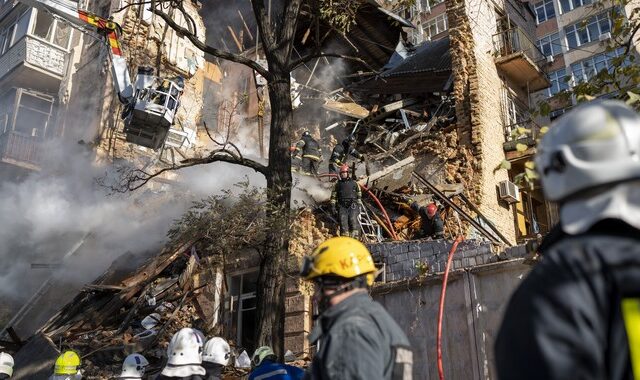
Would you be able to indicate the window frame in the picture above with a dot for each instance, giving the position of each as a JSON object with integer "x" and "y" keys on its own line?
{"x": 543, "y": 6}
{"x": 587, "y": 68}
{"x": 552, "y": 45}
{"x": 585, "y": 28}
{"x": 434, "y": 22}
{"x": 560, "y": 79}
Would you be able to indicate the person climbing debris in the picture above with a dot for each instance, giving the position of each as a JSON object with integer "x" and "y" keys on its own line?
{"x": 216, "y": 356}
{"x": 431, "y": 225}
{"x": 309, "y": 149}
{"x": 67, "y": 367}
{"x": 577, "y": 314}
{"x": 6, "y": 366}
{"x": 265, "y": 367}
{"x": 133, "y": 367}
{"x": 358, "y": 338}
{"x": 184, "y": 356}
{"x": 346, "y": 199}
{"x": 341, "y": 152}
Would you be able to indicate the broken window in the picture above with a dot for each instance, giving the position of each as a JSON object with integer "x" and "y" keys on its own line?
{"x": 243, "y": 309}
{"x": 51, "y": 30}
{"x": 33, "y": 113}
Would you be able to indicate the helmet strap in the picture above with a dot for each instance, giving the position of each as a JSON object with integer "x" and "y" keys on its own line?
{"x": 359, "y": 282}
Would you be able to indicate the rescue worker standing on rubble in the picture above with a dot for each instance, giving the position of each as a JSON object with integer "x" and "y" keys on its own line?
{"x": 67, "y": 367}
{"x": 431, "y": 224}
{"x": 6, "y": 366}
{"x": 577, "y": 314}
{"x": 216, "y": 356}
{"x": 346, "y": 199}
{"x": 341, "y": 152}
{"x": 184, "y": 356}
{"x": 358, "y": 338}
{"x": 265, "y": 367}
{"x": 311, "y": 154}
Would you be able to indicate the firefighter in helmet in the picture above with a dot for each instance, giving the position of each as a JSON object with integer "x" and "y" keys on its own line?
{"x": 349, "y": 320}
{"x": 577, "y": 314}
{"x": 67, "y": 367}
{"x": 346, "y": 199}
{"x": 431, "y": 225}
{"x": 341, "y": 152}
{"x": 309, "y": 149}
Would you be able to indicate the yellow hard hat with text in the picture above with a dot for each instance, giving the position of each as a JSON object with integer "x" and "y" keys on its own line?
{"x": 342, "y": 257}
{"x": 67, "y": 363}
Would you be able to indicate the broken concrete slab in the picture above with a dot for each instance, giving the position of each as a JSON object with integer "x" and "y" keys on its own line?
{"x": 392, "y": 177}
{"x": 348, "y": 109}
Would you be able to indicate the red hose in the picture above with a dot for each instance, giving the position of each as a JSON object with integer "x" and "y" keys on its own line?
{"x": 441, "y": 310}
{"x": 384, "y": 212}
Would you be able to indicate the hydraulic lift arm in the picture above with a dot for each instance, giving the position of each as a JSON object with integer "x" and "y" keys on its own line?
{"x": 109, "y": 30}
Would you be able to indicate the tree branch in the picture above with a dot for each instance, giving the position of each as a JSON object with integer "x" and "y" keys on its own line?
{"x": 134, "y": 179}
{"x": 210, "y": 49}
{"x": 264, "y": 26}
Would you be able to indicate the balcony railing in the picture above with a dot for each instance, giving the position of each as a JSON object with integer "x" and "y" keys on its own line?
{"x": 37, "y": 53}
{"x": 20, "y": 149}
{"x": 523, "y": 132}
{"x": 518, "y": 57}
{"x": 513, "y": 41}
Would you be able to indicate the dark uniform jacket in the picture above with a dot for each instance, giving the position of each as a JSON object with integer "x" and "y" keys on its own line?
{"x": 359, "y": 340}
{"x": 192, "y": 377}
{"x": 346, "y": 192}
{"x": 565, "y": 320}
{"x": 340, "y": 152}
{"x": 433, "y": 227}
{"x": 309, "y": 147}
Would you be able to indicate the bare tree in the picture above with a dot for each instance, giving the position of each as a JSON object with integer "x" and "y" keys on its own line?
{"x": 276, "y": 42}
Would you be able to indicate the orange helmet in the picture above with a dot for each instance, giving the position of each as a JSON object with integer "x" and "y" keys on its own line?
{"x": 431, "y": 209}
{"x": 344, "y": 168}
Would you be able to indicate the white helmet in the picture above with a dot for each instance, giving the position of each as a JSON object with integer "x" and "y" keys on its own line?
{"x": 6, "y": 364}
{"x": 217, "y": 350}
{"x": 186, "y": 347}
{"x": 595, "y": 144}
{"x": 133, "y": 367}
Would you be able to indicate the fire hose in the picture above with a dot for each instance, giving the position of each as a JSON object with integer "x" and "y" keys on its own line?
{"x": 443, "y": 294}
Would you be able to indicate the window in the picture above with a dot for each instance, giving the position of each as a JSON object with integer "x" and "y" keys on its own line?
{"x": 544, "y": 11}
{"x": 435, "y": 26}
{"x": 50, "y": 30}
{"x": 588, "y": 30}
{"x": 243, "y": 308}
{"x": 550, "y": 45}
{"x": 14, "y": 32}
{"x": 568, "y": 5}
{"x": 425, "y": 5}
{"x": 558, "y": 82}
{"x": 585, "y": 70}
{"x": 33, "y": 114}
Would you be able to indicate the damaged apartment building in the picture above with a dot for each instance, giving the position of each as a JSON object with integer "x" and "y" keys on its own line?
{"x": 57, "y": 84}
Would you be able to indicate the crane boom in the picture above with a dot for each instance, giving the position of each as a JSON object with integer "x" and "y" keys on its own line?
{"x": 110, "y": 30}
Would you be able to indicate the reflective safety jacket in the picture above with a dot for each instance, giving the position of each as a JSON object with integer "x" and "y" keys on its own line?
{"x": 340, "y": 152}
{"x": 270, "y": 370}
{"x": 577, "y": 312}
{"x": 359, "y": 340}
{"x": 309, "y": 148}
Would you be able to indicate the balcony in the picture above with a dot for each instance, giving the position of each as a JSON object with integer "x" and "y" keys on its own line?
{"x": 519, "y": 59}
{"x": 523, "y": 132}
{"x": 19, "y": 149}
{"x": 33, "y": 63}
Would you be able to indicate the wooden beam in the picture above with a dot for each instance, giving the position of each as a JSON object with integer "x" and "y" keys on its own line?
{"x": 235, "y": 38}
{"x": 245, "y": 26}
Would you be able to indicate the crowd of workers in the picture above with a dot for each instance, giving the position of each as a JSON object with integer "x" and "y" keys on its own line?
{"x": 575, "y": 316}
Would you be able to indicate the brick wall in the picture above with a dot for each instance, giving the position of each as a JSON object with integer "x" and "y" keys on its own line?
{"x": 407, "y": 259}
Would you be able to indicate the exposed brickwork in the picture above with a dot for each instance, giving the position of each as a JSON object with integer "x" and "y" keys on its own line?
{"x": 409, "y": 259}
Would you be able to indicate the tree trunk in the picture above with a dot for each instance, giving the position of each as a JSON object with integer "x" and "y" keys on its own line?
{"x": 271, "y": 292}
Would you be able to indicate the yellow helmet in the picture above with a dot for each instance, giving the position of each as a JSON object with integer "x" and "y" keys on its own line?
{"x": 67, "y": 363}
{"x": 339, "y": 256}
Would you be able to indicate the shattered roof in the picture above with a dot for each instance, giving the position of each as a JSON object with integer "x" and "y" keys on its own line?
{"x": 433, "y": 56}
{"x": 428, "y": 69}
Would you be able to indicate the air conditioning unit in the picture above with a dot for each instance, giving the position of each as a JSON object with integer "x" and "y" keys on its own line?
{"x": 605, "y": 36}
{"x": 549, "y": 59}
{"x": 509, "y": 192}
